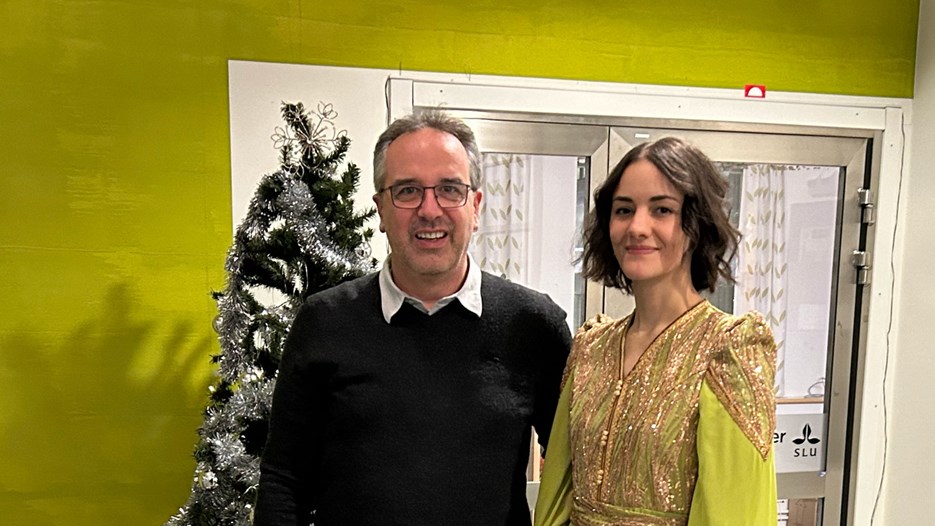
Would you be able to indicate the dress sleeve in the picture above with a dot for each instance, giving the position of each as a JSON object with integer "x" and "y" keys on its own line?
{"x": 741, "y": 374}
{"x": 736, "y": 486}
{"x": 736, "y": 483}
{"x": 553, "y": 505}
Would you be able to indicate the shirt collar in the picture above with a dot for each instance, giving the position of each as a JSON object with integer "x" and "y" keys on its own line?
{"x": 392, "y": 297}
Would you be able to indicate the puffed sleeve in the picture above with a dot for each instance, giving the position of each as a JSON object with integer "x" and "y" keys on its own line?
{"x": 736, "y": 483}
{"x": 553, "y": 505}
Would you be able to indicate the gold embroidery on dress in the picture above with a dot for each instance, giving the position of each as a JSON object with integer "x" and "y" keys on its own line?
{"x": 633, "y": 438}
{"x": 741, "y": 375}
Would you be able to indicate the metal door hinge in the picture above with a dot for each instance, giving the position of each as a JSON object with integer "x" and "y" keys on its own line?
{"x": 865, "y": 202}
{"x": 861, "y": 261}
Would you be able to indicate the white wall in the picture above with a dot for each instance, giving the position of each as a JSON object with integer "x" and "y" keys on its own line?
{"x": 909, "y": 490}
{"x": 256, "y": 92}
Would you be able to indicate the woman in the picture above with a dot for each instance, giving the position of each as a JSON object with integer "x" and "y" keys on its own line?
{"x": 667, "y": 415}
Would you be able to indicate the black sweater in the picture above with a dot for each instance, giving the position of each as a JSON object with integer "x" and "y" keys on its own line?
{"x": 423, "y": 421}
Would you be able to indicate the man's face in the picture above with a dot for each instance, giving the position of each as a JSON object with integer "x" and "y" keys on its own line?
{"x": 428, "y": 243}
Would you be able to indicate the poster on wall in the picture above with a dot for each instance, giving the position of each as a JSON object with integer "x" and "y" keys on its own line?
{"x": 799, "y": 443}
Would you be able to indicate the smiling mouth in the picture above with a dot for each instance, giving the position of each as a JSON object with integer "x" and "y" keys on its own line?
{"x": 430, "y": 235}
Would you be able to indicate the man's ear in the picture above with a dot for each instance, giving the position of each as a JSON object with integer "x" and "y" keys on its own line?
{"x": 478, "y": 197}
{"x": 378, "y": 200}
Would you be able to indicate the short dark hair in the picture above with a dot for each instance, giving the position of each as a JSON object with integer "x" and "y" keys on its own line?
{"x": 435, "y": 119}
{"x": 705, "y": 221}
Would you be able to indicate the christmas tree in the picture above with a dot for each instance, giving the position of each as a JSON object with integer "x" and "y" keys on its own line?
{"x": 301, "y": 235}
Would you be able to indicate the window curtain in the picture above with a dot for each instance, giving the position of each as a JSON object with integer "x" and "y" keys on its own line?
{"x": 762, "y": 263}
{"x": 502, "y": 240}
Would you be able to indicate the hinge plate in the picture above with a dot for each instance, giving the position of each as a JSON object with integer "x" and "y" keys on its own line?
{"x": 861, "y": 261}
{"x": 865, "y": 202}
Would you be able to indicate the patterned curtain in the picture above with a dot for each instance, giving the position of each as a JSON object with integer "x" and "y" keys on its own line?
{"x": 762, "y": 264}
{"x": 501, "y": 242}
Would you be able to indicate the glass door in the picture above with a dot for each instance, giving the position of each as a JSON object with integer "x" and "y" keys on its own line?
{"x": 800, "y": 198}
{"x": 796, "y": 200}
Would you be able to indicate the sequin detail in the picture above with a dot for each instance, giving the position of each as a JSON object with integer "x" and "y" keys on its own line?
{"x": 633, "y": 438}
{"x": 741, "y": 375}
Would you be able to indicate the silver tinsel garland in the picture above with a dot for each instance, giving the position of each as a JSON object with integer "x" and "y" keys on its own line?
{"x": 248, "y": 326}
{"x": 301, "y": 216}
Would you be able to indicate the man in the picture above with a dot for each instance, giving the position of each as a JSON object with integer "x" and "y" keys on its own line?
{"x": 406, "y": 397}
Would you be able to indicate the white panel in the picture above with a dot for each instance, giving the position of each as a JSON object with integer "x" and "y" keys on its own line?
{"x": 799, "y": 442}
{"x": 872, "y": 418}
{"x": 256, "y": 92}
{"x": 399, "y": 95}
{"x": 590, "y": 103}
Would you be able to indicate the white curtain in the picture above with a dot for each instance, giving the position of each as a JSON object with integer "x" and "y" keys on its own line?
{"x": 762, "y": 264}
{"x": 501, "y": 243}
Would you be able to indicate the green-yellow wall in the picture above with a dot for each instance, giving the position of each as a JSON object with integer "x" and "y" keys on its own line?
{"x": 115, "y": 191}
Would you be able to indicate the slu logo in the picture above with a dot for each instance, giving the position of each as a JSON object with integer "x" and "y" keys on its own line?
{"x": 807, "y": 436}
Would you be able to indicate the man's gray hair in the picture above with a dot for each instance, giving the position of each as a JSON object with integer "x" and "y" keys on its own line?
{"x": 435, "y": 119}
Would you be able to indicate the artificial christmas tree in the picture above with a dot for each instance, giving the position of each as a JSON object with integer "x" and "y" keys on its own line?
{"x": 301, "y": 235}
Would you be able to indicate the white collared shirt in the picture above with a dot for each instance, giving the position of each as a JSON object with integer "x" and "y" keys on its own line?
{"x": 392, "y": 297}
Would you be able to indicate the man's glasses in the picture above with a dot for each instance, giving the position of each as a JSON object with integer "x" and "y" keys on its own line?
{"x": 411, "y": 195}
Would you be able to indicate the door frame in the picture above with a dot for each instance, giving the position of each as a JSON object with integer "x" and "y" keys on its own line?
{"x": 883, "y": 119}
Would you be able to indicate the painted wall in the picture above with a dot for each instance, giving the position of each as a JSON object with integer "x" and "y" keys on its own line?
{"x": 909, "y": 487}
{"x": 115, "y": 198}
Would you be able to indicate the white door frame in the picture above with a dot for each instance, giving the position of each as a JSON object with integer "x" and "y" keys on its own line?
{"x": 891, "y": 117}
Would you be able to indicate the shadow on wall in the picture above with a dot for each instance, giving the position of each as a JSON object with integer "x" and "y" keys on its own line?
{"x": 96, "y": 424}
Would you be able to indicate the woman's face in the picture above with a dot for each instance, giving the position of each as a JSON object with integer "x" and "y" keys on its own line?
{"x": 646, "y": 227}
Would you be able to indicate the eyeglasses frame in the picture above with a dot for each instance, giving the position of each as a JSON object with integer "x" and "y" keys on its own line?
{"x": 425, "y": 189}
